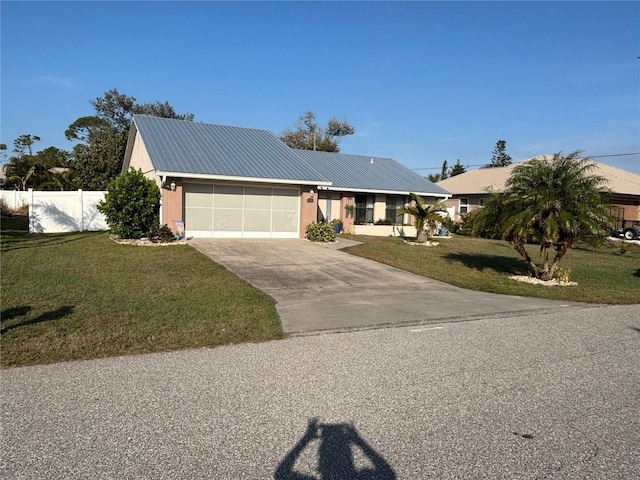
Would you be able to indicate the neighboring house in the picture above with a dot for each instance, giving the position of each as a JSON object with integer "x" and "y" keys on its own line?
{"x": 470, "y": 189}
{"x": 238, "y": 182}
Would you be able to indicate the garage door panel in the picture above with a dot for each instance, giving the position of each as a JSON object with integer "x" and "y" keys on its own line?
{"x": 257, "y": 221}
{"x": 199, "y": 219}
{"x": 228, "y": 196}
{"x": 199, "y": 196}
{"x": 257, "y": 198}
{"x": 284, "y": 221}
{"x": 286, "y": 199}
{"x": 227, "y": 219}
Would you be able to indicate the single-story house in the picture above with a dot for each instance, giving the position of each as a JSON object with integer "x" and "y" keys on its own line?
{"x": 469, "y": 190}
{"x": 236, "y": 182}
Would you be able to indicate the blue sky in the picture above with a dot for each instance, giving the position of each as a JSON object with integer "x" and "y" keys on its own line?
{"x": 421, "y": 82}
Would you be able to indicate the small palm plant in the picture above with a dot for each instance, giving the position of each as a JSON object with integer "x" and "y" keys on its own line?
{"x": 425, "y": 215}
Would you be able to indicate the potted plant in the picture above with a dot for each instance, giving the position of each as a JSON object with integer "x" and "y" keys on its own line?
{"x": 336, "y": 223}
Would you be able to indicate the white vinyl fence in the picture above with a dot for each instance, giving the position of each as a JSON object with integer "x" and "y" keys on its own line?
{"x": 56, "y": 212}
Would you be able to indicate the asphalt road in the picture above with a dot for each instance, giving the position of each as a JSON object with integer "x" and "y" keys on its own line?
{"x": 543, "y": 395}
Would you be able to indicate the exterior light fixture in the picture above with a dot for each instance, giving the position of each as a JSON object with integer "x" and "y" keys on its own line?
{"x": 173, "y": 186}
{"x": 311, "y": 193}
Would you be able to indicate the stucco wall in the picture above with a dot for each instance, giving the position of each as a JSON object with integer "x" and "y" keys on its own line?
{"x": 379, "y": 207}
{"x": 140, "y": 159}
{"x": 308, "y": 209}
{"x": 171, "y": 203}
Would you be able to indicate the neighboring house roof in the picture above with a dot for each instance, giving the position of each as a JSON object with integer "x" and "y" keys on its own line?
{"x": 185, "y": 147}
{"x": 194, "y": 149}
{"x": 369, "y": 174}
{"x": 483, "y": 180}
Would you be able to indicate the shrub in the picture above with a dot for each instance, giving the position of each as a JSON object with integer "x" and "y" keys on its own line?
{"x": 383, "y": 221}
{"x": 562, "y": 274}
{"x": 131, "y": 205}
{"x": 320, "y": 232}
{"x": 161, "y": 234}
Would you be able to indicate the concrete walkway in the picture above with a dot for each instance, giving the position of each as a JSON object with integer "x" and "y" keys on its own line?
{"x": 318, "y": 287}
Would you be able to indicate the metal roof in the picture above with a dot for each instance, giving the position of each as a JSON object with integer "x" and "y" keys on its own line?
{"x": 204, "y": 149}
{"x": 186, "y": 148}
{"x": 365, "y": 173}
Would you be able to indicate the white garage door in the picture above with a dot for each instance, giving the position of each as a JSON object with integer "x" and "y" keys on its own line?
{"x": 238, "y": 211}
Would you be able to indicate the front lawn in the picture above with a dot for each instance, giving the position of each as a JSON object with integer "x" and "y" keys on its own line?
{"x": 603, "y": 276}
{"x": 82, "y": 296}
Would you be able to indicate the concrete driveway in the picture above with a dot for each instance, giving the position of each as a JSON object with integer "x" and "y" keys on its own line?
{"x": 318, "y": 287}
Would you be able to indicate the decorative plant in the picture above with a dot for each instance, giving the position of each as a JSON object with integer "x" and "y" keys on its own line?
{"x": 349, "y": 209}
{"x": 320, "y": 232}
{"x": 424, "y": 215}
{"x": 131, "y": 205}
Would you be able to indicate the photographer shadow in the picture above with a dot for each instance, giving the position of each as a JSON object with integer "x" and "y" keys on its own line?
{"x": 336, "y": 460}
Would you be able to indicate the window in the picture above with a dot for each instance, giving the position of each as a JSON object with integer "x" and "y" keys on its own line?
{"x": 364, "y": 209}
{"x": 393, "y": 202}
{"x": 481, "y": 202}
{"x": 464, "y": 206}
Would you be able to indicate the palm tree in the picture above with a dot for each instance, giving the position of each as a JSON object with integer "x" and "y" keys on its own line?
{"x": 554, "y": 203}
{"x": 424, "y": 214}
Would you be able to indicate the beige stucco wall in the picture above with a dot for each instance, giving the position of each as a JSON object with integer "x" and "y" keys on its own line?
{"x": 140, "y": 159}
{"x": 379, "y": 207}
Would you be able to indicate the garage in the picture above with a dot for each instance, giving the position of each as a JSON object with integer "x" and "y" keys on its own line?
{"x": 241, "y": 211}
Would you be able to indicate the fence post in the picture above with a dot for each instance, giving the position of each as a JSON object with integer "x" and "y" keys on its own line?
{"x": 31, "y": 210}
{"x": 81, "y": 200}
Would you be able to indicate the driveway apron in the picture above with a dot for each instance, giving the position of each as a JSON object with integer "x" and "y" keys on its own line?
{"x": 318, "y": 287}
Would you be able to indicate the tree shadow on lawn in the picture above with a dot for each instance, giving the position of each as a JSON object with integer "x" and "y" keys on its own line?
{"x": 11, "y": 313}
{"x": 497, "y": 263}
{"x": 21, "y": 240}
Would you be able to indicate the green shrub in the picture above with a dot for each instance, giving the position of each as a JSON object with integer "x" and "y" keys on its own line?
{"x": 320, "y": 232}
{"x": 131, "y": 205}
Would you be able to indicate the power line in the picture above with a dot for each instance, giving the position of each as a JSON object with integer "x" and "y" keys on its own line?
{"x": 591, "y": 156}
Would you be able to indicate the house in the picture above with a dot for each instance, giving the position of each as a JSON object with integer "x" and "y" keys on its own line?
{"x": 470, "y": 189}
{"x": 236, "y": 182}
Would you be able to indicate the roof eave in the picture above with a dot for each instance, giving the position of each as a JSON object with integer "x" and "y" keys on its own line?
{"x": 444, "y": 196}
{"x": 235, "y": 178}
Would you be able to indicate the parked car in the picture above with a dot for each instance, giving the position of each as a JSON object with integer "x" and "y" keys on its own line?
{"x": 630, "y": 233}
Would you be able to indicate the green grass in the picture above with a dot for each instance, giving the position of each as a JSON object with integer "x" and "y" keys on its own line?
{"x": 603, "y": 275}
{"x": 82, "y": 296}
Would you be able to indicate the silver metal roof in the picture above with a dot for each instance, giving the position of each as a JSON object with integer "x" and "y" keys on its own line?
{"x": 204, "y": 150}
{"x": 364, "y": 173}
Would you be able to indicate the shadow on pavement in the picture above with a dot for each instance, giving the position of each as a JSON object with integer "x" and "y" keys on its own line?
{"x": 340, "y": 451}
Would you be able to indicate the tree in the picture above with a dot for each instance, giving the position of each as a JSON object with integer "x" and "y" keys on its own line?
{"x": 553, "y": 203}
{"x": 457, "y": 169}
{"x": 447, "y": 171}
{"x": 98, "y": 159}
{"x": 425, "y": 215}
{"x": 22, "y": 145}
{"x": 46, "y": 170}
{"x": 500, "y": 158}
{"x": 308, "y": 135}
{"x": 131, "y": 205}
